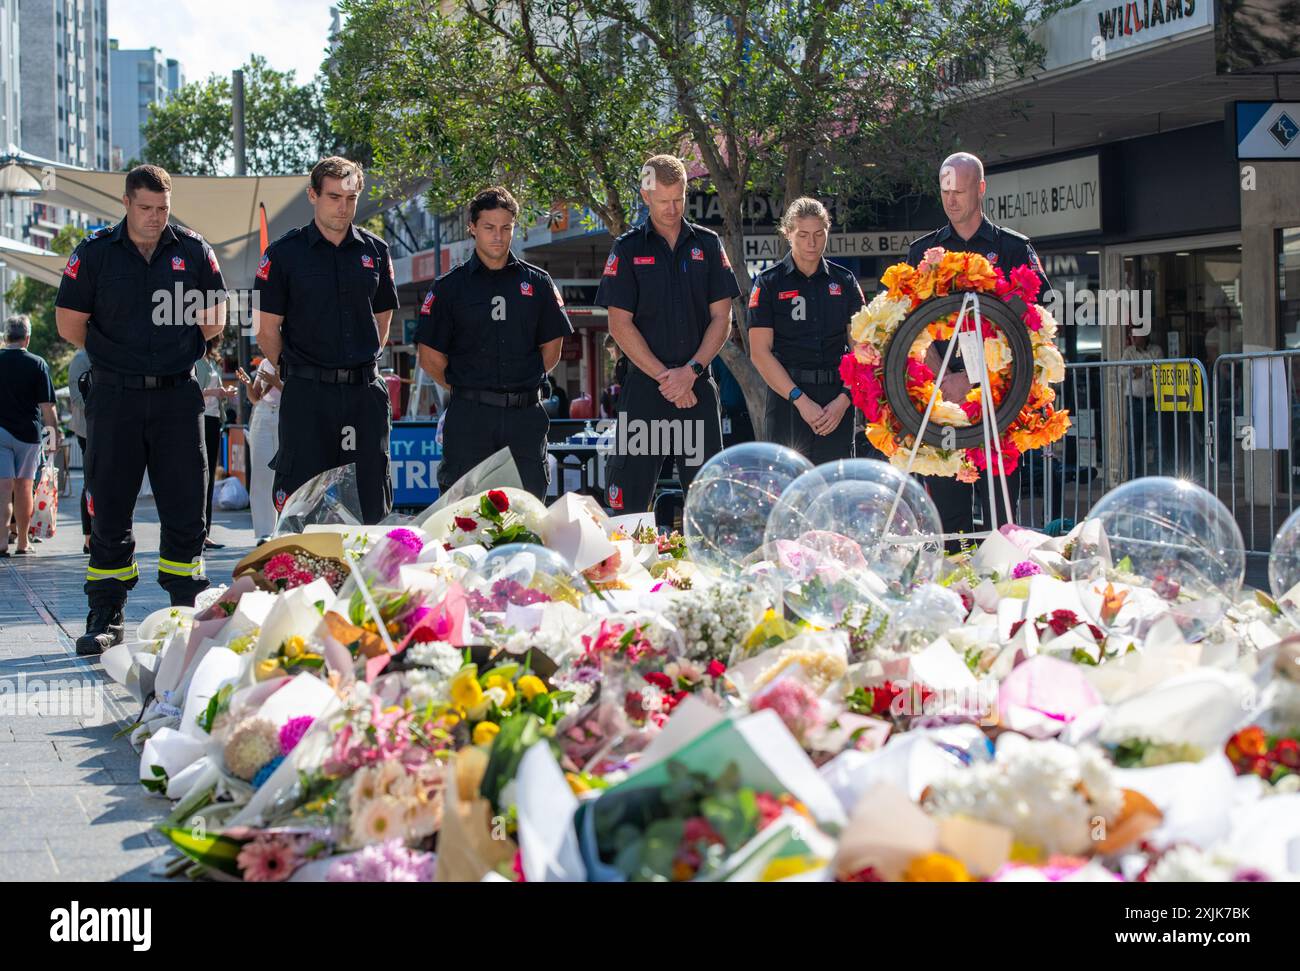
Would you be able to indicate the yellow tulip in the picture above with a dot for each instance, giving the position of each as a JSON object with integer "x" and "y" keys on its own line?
{"x": 936, "y": 868}
{"x": 484, "y": 732}
{"x": 268, "y": 668}
{"x": 497, "y": 681}
{"x": 465, "y": 690}
{"x": 530, "y": 686}
{"x": 294, "y": 647}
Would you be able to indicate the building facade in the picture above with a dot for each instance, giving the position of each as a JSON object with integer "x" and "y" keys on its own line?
{"x": 140, "y": 79}
{"x": 64, "y": 76}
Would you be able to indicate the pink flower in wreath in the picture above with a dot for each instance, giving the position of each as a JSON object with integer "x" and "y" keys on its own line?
{"x": 930, "y": 259}
{"x": 968, "y": 473}
{"x": 1026, "y": 282}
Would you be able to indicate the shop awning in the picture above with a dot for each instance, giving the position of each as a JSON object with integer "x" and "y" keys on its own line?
{"x": 39, "y": 264}
{"x": 222, "y": 209}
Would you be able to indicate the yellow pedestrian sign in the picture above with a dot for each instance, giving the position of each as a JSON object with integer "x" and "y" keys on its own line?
{"x": 1177, "y": 387}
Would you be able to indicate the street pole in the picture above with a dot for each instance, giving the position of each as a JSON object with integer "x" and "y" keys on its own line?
{"x": 244, "y": 344}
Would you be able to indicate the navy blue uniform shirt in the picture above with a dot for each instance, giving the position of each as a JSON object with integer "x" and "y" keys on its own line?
{"x": 137, "y": 325}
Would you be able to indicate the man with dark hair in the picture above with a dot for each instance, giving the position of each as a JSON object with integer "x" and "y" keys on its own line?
{"x": 327, "y": 295}
{"x": 490, "y": 331}
{"x": 668, "y": 285}
{"x": 142, "y": 298}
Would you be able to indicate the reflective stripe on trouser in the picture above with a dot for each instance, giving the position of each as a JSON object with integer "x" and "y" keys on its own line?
{"x": 128, "y": 432}
{"x": 175, "y": 568}
{"x": 122, "y": 573}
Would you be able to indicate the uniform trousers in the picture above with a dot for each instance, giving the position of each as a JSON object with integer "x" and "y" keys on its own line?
{"x": 128, "y": 431}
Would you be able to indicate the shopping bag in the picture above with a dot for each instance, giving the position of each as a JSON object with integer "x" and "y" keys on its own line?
{"x": 45, "y": 512}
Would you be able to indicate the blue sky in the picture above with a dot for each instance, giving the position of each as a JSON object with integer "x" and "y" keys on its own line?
{"x": 217, "y": 37}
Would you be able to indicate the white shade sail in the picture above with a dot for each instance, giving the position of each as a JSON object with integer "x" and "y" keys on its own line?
{"x": 221, "y": 209}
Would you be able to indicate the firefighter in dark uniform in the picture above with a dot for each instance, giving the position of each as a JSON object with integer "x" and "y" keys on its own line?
{"x": 143, "y": 298}
{"x": 799, "y": 314}
{"x": 490, "y": 331}
{"x": 961, "y": 183}
{"x": 668, "y": 286}
{"x": 327, "y": 295}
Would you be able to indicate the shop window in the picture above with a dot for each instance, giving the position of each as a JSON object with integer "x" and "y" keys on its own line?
{"x": 1076, "y": 276}
{"x": 1288, "y": 288}
{"x": 1195, "y": 300}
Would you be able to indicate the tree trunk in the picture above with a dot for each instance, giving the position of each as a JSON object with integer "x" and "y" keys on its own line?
{"x": 737, "y": 358}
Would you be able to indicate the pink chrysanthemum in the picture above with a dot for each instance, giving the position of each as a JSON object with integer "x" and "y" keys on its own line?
{"x": 292, "y": 731}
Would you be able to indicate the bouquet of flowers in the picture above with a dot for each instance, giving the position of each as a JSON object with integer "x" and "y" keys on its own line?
{"x": 492, "y": 518}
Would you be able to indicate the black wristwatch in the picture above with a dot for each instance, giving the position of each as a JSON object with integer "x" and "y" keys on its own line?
{"x": 795, "y": 394}
{"x": 695, "y": 366}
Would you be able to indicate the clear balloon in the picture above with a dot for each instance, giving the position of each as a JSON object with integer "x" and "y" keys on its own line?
{"x": 522, "y": 574}
{"x": 1157, "y": 547}
{"x": 852, "y": 532}
{"x": 1284, "y": 568}
{"x": 728, "y": 504}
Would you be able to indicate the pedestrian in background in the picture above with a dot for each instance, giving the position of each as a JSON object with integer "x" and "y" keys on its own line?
{"x": 26, "y": 403}
{"x": 78, "y": 379}
{"x": 263, "y": 443}
{"x": 210, "y": 370}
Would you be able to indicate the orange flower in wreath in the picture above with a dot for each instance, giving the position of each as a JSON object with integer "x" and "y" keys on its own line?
{"x": 880, "y": 435}
{"x": 978, "y": 273}
{"x": 898, "y": 280}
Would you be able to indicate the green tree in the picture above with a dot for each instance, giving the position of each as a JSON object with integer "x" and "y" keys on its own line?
{"x": 534, "y": 95}
{"x": 286, "y": 126}
{"x": 36, "y": 299}
{"x": 564, "y": 99}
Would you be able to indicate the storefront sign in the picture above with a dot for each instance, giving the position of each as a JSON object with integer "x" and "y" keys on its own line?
{"x": 1056, "y": 199}
{"x": 1095, "y": 30}
{"x": 414, "y": 455}
{"x": 882, "y": 242}
{"x": 1268, "y": 129}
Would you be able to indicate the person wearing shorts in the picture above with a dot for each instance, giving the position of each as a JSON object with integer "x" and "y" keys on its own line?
{"x": 26, "y": 403}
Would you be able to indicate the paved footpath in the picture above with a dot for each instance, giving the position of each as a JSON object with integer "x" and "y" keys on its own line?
{"x": 71, "y": 806}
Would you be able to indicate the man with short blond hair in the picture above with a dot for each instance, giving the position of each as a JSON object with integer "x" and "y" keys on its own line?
{"x": 668, "y": 286}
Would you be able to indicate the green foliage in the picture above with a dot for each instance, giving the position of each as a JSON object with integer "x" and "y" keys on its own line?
{"x": 286, "y": 127}
{"x": 36, "y": 299}
{"x": 533, "y": 95}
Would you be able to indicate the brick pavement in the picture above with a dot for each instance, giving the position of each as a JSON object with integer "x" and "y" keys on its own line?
{"x": 71, "y": 807}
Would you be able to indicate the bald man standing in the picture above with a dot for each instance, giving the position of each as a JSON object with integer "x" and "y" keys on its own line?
{"x": 961, "y": 183}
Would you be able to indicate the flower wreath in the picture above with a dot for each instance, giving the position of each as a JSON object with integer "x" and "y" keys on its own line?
{"x": 872, "y": 328}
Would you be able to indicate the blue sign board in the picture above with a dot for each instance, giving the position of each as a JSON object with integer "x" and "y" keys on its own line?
{"x": 414, "y": 455}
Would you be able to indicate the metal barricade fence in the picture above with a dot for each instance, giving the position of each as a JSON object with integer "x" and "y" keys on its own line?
{"x": 1255, "y": 413}
{"x": 1129, "y": 419}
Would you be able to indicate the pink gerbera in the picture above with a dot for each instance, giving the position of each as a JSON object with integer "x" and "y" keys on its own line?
{"x": 267, "y": 860}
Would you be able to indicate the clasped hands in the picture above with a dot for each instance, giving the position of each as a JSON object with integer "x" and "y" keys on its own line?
{"x": 822, "y": 420}
{"x": 678, "y": 386}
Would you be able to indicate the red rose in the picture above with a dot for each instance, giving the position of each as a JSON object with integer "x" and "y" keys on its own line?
{"x": 660, "y": 680}
{"x": 1262, "y": 768}
{"x": 466, "y": 523}
{"x": 633, "y": 706}
{"x": 1287, "y": 751}
{"x": 499, "y": 499}
{"x": 716, "y": 669}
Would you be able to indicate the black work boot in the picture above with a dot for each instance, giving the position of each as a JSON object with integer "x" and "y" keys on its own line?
{"x": 104, "y": 628}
